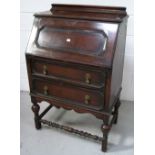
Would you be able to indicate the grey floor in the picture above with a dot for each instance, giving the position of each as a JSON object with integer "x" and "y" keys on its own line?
{"x": 49, "y": 141}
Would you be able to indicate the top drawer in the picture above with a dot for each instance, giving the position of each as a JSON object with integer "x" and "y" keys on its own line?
{"x": 68, "y": 72}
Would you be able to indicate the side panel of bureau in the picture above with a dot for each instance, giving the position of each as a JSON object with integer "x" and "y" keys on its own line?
{"x": 118, "y": 62}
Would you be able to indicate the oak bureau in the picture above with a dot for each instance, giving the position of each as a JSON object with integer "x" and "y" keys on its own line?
{"x": 75, "y": 59}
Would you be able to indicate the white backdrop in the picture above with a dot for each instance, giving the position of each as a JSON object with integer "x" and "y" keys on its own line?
{"x": 28, "y": 7}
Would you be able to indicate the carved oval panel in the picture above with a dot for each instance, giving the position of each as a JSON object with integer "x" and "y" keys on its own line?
{"x": 82, "y": 41}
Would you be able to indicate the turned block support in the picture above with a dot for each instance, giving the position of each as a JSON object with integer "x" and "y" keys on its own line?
{"x": 105, "y": 130}
{"x": 35, "y": 109}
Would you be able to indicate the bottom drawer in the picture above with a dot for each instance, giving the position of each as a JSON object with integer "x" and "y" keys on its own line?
{"x": 64, "y": 91}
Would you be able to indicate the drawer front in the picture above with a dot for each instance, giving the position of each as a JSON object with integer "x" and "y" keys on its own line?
{"x": 67, "y": 92}
{"x": 66, "y": 72}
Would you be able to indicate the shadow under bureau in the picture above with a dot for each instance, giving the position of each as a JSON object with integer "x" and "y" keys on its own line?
{"x": 75, "y": 59}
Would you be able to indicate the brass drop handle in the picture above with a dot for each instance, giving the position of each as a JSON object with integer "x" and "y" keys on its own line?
{"x": 45, "y": 90}
{"x": 45, "y": 70}
{"x": 88, "y": 78}
{"x": 87, "y": 99}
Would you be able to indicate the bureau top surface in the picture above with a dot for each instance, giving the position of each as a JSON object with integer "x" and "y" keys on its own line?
{"x": 87, "y": 12}
{"x": 77, "y": 34}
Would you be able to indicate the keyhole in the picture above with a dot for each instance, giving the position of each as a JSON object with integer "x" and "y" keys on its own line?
{"x": 68, "y": 40}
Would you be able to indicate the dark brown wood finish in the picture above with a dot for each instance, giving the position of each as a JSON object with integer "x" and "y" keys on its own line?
{"x": 68, "y": 72}
{"x": 75, "y": 61}
{"x": 72, "y": 40}
{"x": 65, "y": 91}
